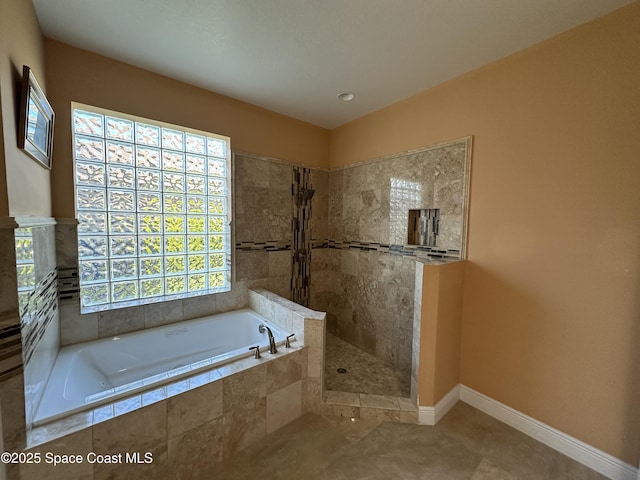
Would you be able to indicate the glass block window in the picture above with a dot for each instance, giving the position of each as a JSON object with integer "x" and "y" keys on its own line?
{"x": 153, "y": 204}
{"x": 26, "y": 268}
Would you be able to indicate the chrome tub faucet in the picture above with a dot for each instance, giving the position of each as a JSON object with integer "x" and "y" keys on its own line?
{"x": 272, "y": 342}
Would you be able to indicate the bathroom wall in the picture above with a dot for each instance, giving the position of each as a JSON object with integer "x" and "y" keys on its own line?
{"x": 369, "y": 202}
{"x": 550, "y": 318}
{"x": 365, "y": 278}
{"x": 24, "y": 192}
{"x": 27, "y": 189}
{"x": 77, "y": 75}
{"x": 441, "y": 324}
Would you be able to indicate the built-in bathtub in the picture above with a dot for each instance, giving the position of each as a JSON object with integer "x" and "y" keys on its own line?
{"x": 95, "y": 373}
{"x": 205, "y": 416}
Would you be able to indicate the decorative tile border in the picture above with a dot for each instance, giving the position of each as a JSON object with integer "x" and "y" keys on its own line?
{"x": 406, "y": 250}
{"x": 40, "y": 310}
{"x": 10, "y": 352}
{"x": 68, "y": 285}
{"x": 302, "y": 191}
{"x": 270, "y": 246}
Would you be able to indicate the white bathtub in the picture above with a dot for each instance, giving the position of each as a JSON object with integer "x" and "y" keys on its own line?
{"x": 98, "y": 372}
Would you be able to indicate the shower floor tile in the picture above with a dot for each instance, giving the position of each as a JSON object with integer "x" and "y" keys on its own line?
{"x": 364, "y": 372}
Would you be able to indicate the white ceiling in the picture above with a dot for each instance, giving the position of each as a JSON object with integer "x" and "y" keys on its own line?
{"x": 295, "y": 56}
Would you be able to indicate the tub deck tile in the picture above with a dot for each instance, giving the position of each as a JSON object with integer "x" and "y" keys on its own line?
{"x": 244, "y": 387}
{"x": 193, "y": 408}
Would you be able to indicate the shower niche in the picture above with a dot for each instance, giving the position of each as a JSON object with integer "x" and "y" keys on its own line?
{"x": 423, "y": 227}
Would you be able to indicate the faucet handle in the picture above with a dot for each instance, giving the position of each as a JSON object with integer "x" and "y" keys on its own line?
{"x": 256, "y": 354}
{"x": 287, "y": 343}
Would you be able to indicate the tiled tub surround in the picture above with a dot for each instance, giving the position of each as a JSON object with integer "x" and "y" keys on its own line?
{"x": 310, "y": 329}
{"x": 38, "y": 299}
{"x": 99, "y": 372}
{"x": 206, "y": 417}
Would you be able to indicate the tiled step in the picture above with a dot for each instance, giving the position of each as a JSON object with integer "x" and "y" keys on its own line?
{"x": 362, "y": 405}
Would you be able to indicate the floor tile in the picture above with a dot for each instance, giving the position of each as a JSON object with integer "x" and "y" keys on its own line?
{"x": 364, "y": 372}
{"x": 465, "y": 445}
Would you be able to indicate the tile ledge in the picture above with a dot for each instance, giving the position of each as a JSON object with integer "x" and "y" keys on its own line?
{"x": 402, "y": 406}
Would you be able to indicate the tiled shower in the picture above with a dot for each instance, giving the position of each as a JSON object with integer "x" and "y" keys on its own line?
{"x": 364, "y": 274}
{"x": 360, "y": 269}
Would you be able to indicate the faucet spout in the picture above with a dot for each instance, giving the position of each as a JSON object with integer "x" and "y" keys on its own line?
{"x": 272, "y": 341}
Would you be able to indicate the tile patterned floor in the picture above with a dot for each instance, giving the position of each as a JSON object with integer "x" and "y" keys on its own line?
{"x": 365, "y": 373}
{"x": 466, "y": 444}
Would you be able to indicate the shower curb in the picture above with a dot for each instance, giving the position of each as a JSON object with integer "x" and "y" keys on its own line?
{"x": 366, "y": 406}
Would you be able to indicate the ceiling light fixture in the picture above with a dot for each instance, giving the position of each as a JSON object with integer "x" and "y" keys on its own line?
{"x": 346, "y": 96}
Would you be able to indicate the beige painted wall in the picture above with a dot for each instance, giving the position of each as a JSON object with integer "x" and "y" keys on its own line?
{"x": 24, "y": 184}
{"x": 78, "y": 75}
{"x": 440, "y": 330}
{"x": 551, "y": 296}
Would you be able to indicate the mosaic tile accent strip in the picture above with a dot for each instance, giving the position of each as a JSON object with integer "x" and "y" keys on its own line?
{"x": 406, "y": 250}
{"x": 39, "y": 311}
{"x": 269, "y": 246}
{"x": 413, "y": 250}
{"x": 10, "y": 352}
{"x": 302, "y": 191}
{"x": 68, "y": 285}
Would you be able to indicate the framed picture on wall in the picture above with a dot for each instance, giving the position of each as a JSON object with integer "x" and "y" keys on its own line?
{"x": 35, "y": 135}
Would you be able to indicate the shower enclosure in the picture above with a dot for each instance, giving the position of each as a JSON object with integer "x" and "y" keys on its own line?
{"x": 383, "y": 215}
{"x": 346, "y": 241}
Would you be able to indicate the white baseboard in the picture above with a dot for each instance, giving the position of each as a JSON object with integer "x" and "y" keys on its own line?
{"x": 588, "y": 455}
{"x": 432, "y": 415}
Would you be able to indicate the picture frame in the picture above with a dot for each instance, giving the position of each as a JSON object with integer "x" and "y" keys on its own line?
{"x": 37, "y": 118}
